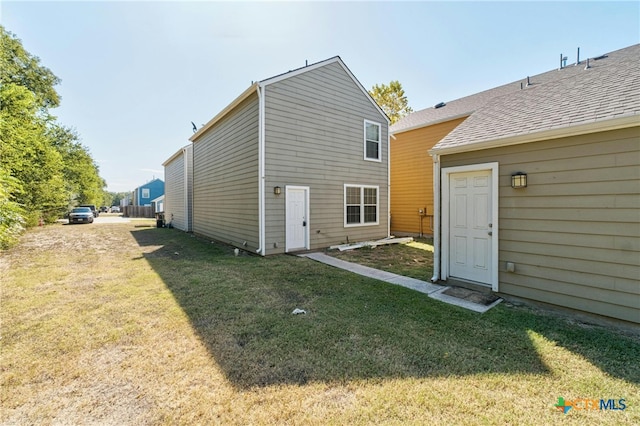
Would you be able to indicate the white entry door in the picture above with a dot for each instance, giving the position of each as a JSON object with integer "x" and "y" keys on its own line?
{"x": 297, "y": 218}
{"x": 471, "y": 226}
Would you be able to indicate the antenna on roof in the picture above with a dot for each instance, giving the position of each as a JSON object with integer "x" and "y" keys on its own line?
{"x": 563, "y": 61}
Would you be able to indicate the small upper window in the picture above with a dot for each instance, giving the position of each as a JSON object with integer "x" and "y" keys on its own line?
{"x": 145, "y": 193}
{"x": 372, "y": 141}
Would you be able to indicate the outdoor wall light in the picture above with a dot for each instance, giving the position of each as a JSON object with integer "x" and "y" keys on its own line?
{"x": 519, "y": 180}
{"x": 277, "y": 190}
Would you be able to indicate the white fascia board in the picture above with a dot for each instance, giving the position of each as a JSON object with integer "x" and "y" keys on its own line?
{"x": 244, "y": 95}
{"x": 175, "y": 155}
{"x": 432, "y": 123}
{"x": 556, "y": 133}
{"x": 364, "y": 91}
{"x": 298, "y": 71}
{"x": 322, "y": 64}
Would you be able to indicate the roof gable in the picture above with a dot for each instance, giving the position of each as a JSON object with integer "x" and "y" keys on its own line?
{"x": 259, "y": 85}
{"x": 608, "y": 90}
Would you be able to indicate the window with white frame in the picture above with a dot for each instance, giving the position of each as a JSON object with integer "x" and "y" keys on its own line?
{"x": 145, "y": 193}
{"x": 361, "y": 205}
{"x": 372, "y": 142}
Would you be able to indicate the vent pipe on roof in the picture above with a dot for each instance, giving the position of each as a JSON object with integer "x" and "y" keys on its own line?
{"x": 440, "y": 105}
{"x": 588, "y": 66}
{"x": 528, "y": 81}
{"x": 306, "y": 62}
{"x": 578, "y": 57}
{"x": 563, "y": 61}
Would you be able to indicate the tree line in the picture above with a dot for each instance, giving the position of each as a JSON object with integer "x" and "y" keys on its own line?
{"x": 44, "y": 168}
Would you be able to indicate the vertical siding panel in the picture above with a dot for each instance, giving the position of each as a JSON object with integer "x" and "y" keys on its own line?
{"x": 577, "y": 224}
{"x": 315, "y": 137}
{"x": 225, "y": 178}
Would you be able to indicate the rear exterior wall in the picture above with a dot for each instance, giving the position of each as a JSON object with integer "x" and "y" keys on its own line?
{"x": 574, "y": 232}
{"x": 225, "y": 178}
{"x": 174, "y": 196}
{"x": 178, "y": 189}
{"x": 412, "y": 178}
{"x": 314, "y": 137}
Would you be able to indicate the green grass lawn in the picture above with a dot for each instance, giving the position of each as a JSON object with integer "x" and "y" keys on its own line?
{"x": 158, "y": 327}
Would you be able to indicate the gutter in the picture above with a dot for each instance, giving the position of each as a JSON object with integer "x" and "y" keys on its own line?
{"x": 630, "y": 120}
{"x": 436, "y": 218}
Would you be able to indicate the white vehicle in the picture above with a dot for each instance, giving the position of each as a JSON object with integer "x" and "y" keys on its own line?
{"x": 115, "y": 209}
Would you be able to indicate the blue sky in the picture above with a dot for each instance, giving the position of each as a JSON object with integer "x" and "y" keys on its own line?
{"x": 135, "y": 74}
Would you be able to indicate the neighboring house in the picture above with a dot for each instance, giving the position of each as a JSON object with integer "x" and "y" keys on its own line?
{"x": 158, "y": 203}
{"x": 298, "y": 161}
{"x": 178, "y": 189}
{"x": 571, "y": 235}
{"x": 144, "y": 194}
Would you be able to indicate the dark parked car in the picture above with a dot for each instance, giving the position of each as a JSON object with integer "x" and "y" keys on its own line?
{"x": 104, "y": 209}
{"x": 81, "y": 215}
{"x": 93, "y": 209}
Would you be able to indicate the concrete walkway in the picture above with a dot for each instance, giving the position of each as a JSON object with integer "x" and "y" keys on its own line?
{"x": 432, "y": 290}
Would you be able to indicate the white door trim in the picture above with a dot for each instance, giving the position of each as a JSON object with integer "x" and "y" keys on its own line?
{"x": 446, "y": 171}
{"x": 287, "y": 188}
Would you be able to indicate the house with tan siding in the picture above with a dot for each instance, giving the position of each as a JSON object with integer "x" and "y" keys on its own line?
{"x": 178, "y": 202}
{"x": 298, "y": 161}
{"x": 411, "y": 178}
{"x": 537, "y": 192}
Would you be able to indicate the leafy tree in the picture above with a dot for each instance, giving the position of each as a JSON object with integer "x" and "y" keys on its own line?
{"x": 27, "y": 154}
{"x": 43, "y": 167}
{"x": 83, "y": 183}
{"x": 21, "y": 68}
{"x": 11, "y": 213}
{"x": 391, "y": 99}
{"x": 117, "y": 197}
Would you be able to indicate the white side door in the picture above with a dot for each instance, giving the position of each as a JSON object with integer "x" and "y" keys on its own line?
{"x": 471, "y": 229}
{"x": 297, "y": 218}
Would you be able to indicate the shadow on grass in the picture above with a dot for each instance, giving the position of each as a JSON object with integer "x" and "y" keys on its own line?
{"x": 355, "y": 327}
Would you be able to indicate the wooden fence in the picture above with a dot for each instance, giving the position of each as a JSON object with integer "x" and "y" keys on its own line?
{"x": 138, "y": 211}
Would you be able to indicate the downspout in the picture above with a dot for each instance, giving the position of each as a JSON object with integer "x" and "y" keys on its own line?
{"x": 389, "y": 136}
{"x": 436, "y": 218}
{"x": 185, "y": 159}
{"x": 261, "y": 167}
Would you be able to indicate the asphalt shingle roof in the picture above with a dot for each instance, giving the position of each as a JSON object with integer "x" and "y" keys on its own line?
{"x": 505, "y": 103}
{"x": 609, "y": 89}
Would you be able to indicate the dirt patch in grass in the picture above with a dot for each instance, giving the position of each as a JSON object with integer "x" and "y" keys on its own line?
{"x": 413, "y": 259}
{"x": 471, "y": 295}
